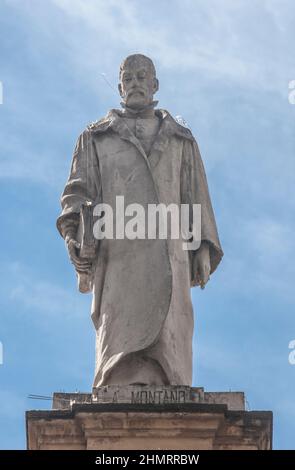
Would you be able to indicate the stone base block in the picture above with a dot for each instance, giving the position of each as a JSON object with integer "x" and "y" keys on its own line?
{"x": 145, "y": 418}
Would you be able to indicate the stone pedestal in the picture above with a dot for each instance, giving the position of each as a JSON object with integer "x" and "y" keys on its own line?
{"x": 160, "y": 418}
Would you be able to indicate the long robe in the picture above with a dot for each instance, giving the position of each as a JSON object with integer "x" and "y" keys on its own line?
{"x": 141, "y": 288}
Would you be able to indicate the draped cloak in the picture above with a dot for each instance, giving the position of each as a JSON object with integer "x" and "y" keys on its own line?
{"x": 141, "y": 288}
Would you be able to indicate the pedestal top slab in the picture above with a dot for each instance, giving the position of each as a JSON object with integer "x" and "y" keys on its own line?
{"x": 156, "y": 395}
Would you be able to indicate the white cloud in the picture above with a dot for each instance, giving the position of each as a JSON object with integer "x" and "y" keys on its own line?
{"x": 25, "y": 288}
{"x": 212, "y": 37}
{"x": 244, "y": 42}
{"x": 206, "y": 42}
{"x": 17, "y": 162}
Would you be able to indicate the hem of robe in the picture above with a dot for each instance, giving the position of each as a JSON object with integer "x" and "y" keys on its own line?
{"x": 147, "y": 353}
{"x": 137, "y": 369}
{"x": 154, "y": 352}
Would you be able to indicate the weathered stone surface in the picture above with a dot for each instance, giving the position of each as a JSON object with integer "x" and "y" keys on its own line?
{"x": 118, "y": 426}
{"x": 140, "y": 417}
{"x": 150, "y": 395}
{"x": 142, "y": 309}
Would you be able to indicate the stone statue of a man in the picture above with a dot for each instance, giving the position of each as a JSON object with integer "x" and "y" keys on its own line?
{"x": 141, "y": 309}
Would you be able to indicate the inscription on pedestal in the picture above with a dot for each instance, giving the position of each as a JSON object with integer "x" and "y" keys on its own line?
{"x": 159, "y": 396}
{"x": 147, "y": 394}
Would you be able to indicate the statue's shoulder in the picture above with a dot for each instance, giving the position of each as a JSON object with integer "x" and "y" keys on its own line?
{"x": 178, "y": 125}
{"x": 101, "y": 125}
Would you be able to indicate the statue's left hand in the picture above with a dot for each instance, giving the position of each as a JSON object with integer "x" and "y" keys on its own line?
{"x": 202, "y": 265}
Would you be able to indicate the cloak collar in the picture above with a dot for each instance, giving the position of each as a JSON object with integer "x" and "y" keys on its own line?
{"x": 114, "y": 121}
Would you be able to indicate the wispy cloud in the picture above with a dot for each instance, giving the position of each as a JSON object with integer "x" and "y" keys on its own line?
{"x": 240, "y": 41}
{"x": 208, "y": 44}
{"x": 224, "y": 40}
{"x": 39, "y": 298}
{"x": 21, "y": 162}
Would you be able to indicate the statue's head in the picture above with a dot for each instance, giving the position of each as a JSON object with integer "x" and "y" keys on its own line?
{"x": 138, "y": 82}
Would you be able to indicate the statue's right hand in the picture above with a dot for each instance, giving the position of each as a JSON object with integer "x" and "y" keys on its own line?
{"x": 82, "y": 265}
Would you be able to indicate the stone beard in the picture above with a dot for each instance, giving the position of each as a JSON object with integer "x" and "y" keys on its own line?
{"x": 141, "y": 308}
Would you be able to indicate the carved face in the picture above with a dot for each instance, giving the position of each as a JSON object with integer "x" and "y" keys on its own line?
{"x": 138, "y": 83}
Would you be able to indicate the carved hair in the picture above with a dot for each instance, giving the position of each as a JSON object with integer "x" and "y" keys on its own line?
{"x": 137, "y": 58}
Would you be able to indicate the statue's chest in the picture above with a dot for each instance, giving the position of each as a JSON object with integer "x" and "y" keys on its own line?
{"x": 117, "y": 155}
{"x": 145, "y": 130}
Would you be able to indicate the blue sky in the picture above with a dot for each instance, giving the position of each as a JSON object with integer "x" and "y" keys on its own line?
{"x": 224, "y": 66}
